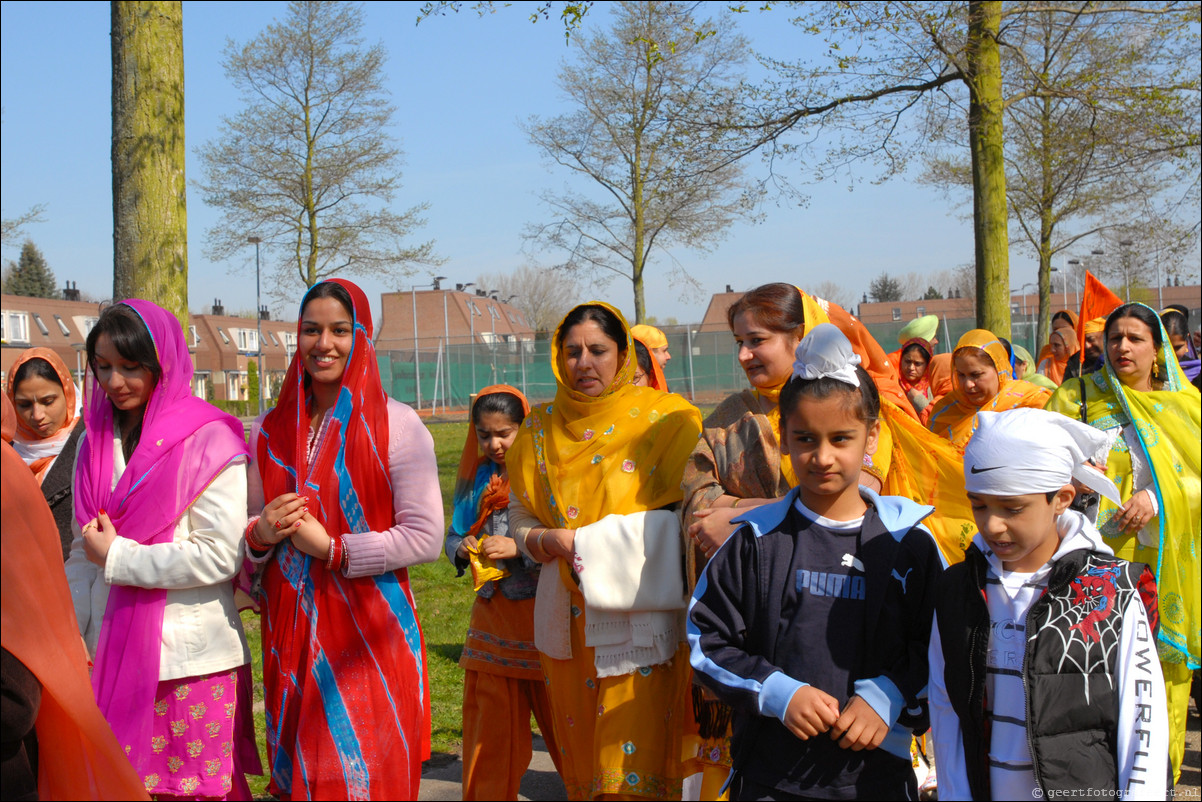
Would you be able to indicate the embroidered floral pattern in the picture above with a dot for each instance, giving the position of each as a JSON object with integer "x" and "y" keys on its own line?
{"x": 628, "y": 748}
{"x": 174, "y": 762}
{"x": 160, "y": 707}
{"x": 213, "y": 729}
{"x": 198, "y": 711}
{"x": 573, "y": 512}
{"x": 587, "y": 435}
{"x": 158, "y": 743}
{"x": 182, "y": 691}
{"x": 151, "y": 781}
{"x": 628, "y": 465}
{"x": 213, "y": 767}
{"x": 178, "y": 727}
{"x": 195, "y": 747}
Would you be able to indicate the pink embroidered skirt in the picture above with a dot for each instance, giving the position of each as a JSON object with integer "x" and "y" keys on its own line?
{"x": 203, "y": 737}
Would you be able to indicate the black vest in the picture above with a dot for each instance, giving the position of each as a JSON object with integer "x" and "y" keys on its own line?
{"x": 1069, "y": 667}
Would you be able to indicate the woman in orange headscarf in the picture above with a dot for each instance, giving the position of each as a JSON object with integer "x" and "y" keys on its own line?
{"x": 983, "y": 382}
{"x": 503, "y": 676}
{"x": 48, "y": 423}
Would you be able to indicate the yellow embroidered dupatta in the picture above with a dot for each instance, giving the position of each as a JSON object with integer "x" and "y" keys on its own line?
{"x": 1166, "y": 423}
{"x": 581, "y": 458}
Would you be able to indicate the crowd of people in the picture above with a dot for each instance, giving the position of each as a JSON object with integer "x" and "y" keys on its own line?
{"x": 977, "y": 562}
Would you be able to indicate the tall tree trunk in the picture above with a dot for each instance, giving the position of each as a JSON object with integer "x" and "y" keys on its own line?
{"x": 150, "y": 226}
{"x": 988, "y": 167}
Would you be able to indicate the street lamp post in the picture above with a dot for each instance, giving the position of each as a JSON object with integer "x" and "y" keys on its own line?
{"x": 417, "y": 362}
{"x": 1125, "y": 258}
{"x": 258, "y": 317}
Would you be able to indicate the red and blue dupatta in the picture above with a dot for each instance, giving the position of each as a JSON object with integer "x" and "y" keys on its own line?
{"x": 343, "y": 659}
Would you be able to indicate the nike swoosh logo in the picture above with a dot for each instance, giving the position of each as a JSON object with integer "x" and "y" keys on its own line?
{"x": 975, "y": 469}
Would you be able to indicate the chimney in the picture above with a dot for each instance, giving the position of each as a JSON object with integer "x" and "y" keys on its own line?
{"x": 71, "y": 291}
{"x": 865, "y": 299}
{"x": 218, "y": 309}
{"x": 481, "y": 294}
{"x": 728, "y": 288}
{"x": 458, "y": 288}
{"x": 263, "y": 313}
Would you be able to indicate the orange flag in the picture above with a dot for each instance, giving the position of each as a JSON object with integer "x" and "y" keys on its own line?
{"x": 1097, "y": 301}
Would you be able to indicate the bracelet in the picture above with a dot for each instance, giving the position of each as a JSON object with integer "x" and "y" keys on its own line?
{"x": 737, "y": 500}
{"x": 538, "y": 541}
{"x": 252, "y": 537}
{"x": 334, "y": 557}
{"x": 345, "y": 561}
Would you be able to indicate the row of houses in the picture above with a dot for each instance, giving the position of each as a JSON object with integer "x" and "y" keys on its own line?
{"x": 223, "y": 346}
{"x": 462, "y": 338}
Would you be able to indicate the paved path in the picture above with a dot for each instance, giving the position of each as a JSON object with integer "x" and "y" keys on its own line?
{"x": 442, "y": 775}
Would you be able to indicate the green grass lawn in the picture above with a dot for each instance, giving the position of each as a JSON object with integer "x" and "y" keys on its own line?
{"x": 443, "y": 605}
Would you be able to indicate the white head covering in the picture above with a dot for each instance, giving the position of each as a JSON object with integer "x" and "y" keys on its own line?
{"x": 1022, "y": 451}
{"x": 826, "y": 353}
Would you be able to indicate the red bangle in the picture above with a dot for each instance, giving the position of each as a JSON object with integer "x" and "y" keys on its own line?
{"x": 252, "y": 538}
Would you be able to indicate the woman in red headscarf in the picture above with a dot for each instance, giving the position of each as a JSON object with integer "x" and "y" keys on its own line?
{"x": 348, "y": 499}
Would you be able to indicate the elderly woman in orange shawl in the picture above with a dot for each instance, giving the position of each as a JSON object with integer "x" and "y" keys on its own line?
{"x": 594, "y": 476}
{"x": 48, "y": 423}
{"x": 983, "y": 382}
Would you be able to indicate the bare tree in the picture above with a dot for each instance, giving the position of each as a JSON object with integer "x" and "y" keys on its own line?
{"x": 150, "y": 225}
{"x": 1102, "y": 117}
{"x": 544, "y": 295}
{"x": 663, "y": 179}
{"x": 308, "y": 164}
{"x": 833, "y": 292}
{"x": 14, "y": 227}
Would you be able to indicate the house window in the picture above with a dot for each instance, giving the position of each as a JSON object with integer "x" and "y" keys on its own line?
{"x": 922, "y": 310}
{"x": 15, "y": 328}
{"x": 248, "y": 339}
{"x": 193, "y": 336}
{"x": 897, "y": 313}
{"x": 41, "y": 326}
{"x": 290, "y": 340}
{"x": 274, "y": 339}
{"x": 88, "y": 324}
{"x": 224, "y": 337}
{"x": 62, "y": 326}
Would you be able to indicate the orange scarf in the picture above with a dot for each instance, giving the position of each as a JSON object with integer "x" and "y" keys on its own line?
{"x": 954, "y": 416}
{"x": 46, "y": 449}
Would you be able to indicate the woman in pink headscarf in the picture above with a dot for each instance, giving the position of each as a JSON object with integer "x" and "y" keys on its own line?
{"x": 160, "y": 508}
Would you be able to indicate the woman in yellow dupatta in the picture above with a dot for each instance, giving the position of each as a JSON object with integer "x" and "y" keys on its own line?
{"x": 603, "y": 446}
{"x": 984, "y": 381}
{"x": 1143, "y": 398}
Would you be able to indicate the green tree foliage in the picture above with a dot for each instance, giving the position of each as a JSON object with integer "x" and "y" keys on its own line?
{"x": 252, "y": 385}
{"x": 150, "y": 225}
{"x": 932, "y": 294}
{"x": 308, "y": 164}
{"x": 30, "y": 275}
{"x": 659, "y": 177}
{"x": 885, "y": 288}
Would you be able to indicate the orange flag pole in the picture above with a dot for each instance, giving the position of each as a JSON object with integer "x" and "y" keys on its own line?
{"x": 1097, "y": 301}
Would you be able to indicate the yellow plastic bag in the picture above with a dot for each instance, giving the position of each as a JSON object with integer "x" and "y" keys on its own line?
{"x": 484, "y": 568}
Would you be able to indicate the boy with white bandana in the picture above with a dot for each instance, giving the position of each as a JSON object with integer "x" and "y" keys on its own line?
{"x": 1044, "y": 677}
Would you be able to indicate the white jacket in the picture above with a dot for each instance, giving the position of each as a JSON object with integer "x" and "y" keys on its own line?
{"x": 202, "y": 632}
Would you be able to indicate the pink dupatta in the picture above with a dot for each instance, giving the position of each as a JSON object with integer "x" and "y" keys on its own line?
{"x": 178, "y": 455}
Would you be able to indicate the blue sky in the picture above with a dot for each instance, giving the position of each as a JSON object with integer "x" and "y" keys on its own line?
{"x": 460, "y": 84}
